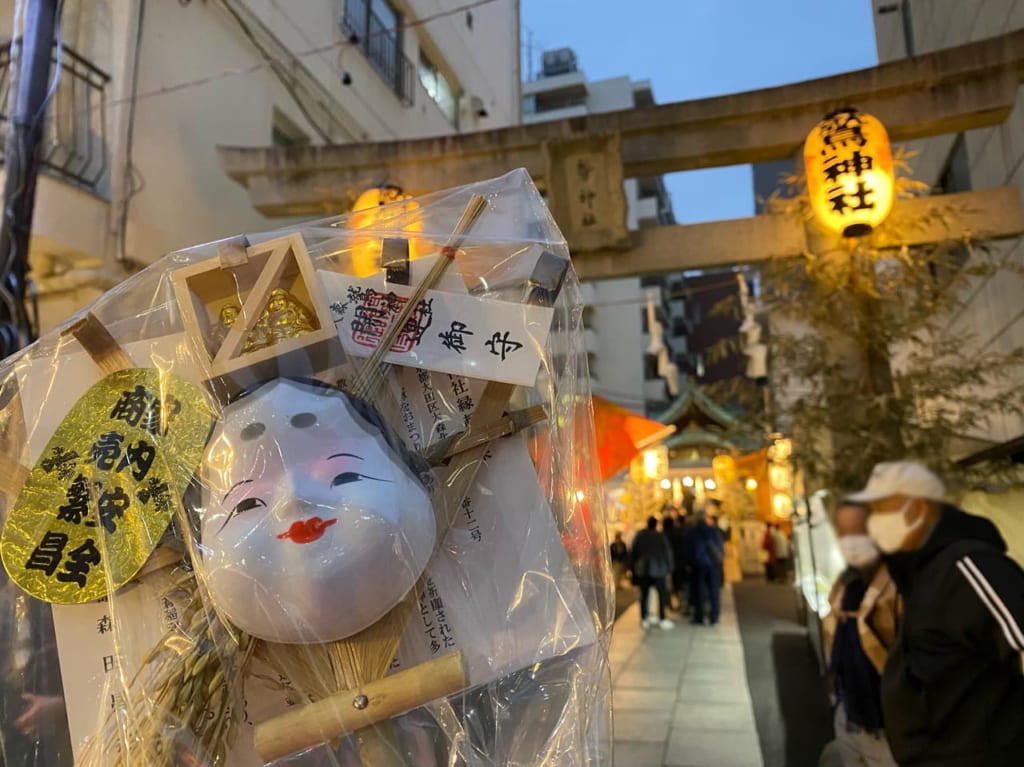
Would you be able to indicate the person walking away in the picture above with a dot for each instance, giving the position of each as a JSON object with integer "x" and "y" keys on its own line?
{"x": 620, "y": 558}
{"x": 673, "y": 529}
{"x": 652, "y": 563}
{"x": 782, "y": 553}
{"x": 768, "y": 552}
{"x": 707, "y": 551}
{"x": 689, "y": 526}
{"x": 953, "y": 689}
{"x": 859, "y": 630}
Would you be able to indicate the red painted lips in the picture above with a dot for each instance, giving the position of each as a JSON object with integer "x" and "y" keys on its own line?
{"x": 307, "y": 530}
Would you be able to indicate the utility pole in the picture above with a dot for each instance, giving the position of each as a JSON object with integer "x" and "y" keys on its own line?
{"x": 31, "y": 54}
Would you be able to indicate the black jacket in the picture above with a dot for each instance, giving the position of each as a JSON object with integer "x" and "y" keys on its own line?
{"x": 953, "y": 691}
{"x": 652, "y": 554}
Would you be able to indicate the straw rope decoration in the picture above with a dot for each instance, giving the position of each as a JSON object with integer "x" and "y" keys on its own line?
{"x": 187, "y": 695}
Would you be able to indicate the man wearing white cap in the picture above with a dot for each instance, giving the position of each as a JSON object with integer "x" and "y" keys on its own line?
{"x": 952, "y": 690}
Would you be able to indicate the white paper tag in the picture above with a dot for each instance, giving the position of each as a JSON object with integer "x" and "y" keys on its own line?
{"x": 501, "y": 588}
{"x": 450, "y": 333}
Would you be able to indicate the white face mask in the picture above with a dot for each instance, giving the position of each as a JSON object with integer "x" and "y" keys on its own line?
{"x": 890, "y": 529}
{"x": 312, "y": 526}
{"x": 858, "y": 550}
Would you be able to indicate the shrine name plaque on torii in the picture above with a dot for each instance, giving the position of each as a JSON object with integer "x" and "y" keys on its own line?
{"x": 580, "y": 163}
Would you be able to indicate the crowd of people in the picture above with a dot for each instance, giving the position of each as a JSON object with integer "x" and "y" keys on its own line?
{"x": 925, "y": 634}
{"x": 682, "y": 562}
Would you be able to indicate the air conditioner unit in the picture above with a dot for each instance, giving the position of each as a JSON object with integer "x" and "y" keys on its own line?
{"x": 558, "y": 62}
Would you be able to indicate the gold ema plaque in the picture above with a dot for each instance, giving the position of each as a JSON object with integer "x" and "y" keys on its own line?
{"x": 103, "y": 491}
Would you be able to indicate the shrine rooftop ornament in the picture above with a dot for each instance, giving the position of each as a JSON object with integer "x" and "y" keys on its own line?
{"x": 315, "y": 522}
{"x": 848, "y": 162}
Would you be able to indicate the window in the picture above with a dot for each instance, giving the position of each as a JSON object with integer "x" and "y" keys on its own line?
{"x": 439, "y": 89}
{"x": 284, "y": 131}
{"x": 376, "y": 28}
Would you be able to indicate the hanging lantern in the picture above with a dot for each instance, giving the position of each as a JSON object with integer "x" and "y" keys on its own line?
{"x": 849, "y": 170}
{"x": 374, "y": 209}
{"x": 782, "y": 505}
{"x": 655, "y": 463}
{"x": 724, "y": 468}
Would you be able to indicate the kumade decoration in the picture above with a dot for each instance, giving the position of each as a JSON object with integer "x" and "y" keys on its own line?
{"x": 351, "y": 530}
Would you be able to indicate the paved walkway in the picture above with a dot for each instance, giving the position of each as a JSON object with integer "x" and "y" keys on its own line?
{"x": 680, "y": 697}
{"x": 791, "y": 704}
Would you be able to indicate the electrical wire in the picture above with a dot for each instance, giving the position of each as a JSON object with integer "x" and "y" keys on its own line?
{"x": 237, "y": 71}
{"x": 129, "y": 180}
{"x": 337, "y": 67}
{"x": 275, "y": 65}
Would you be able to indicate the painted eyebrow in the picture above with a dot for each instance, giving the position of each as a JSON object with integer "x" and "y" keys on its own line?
{"x": 235, "y": 487}
{"x": 344, "y": 455}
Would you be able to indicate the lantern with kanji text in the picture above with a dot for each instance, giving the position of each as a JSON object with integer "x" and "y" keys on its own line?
{"x": 849, "y": 168}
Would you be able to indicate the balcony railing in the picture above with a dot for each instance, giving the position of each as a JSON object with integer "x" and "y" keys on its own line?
{"x": 74, "y": 141}
{"x": 379, "y": 44}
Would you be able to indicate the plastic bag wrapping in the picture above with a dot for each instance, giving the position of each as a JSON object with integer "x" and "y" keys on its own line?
{"x": 318, "y": 496}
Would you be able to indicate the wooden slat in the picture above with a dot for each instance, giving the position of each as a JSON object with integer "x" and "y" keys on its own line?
{"x": 101, "y": 346}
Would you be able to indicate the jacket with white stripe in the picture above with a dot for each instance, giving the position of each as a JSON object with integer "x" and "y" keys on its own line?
{"x": 953, "y": 690}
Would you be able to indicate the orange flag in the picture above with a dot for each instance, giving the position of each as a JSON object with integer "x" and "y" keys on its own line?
{"x": 621, "y": 434}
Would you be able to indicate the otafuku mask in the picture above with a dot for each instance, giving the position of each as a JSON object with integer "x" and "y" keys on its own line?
{"x": 313, "y": 526}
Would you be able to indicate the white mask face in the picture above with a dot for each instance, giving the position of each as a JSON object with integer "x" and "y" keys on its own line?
{"x": 890, "y": 529}
{"x": 312, "y": 526}
{"x": 858, "y": 550}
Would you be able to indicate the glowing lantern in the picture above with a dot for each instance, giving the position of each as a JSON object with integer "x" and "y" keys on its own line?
{"x": 849, "y": 170}
{"x": 782, "y": 505}
{"x": 655, "y": 462}
{"x": 724, "y": 468}
{"x": 781, "y": 449}
{"x": 375, "y": 209}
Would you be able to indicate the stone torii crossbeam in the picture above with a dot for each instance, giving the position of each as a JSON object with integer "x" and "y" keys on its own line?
{"x": 581, "y": 162}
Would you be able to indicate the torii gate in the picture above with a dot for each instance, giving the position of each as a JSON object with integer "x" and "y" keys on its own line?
{"x": 581, "y": 162}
